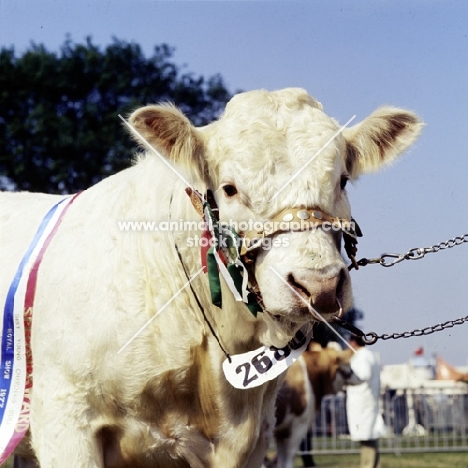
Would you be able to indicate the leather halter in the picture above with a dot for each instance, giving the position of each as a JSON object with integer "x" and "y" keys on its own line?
{"x": 288, "y": 220}
{"x": 296, "y": 220}
{"x": 302, "y": 219}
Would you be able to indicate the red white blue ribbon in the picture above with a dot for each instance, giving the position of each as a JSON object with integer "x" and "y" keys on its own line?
{"x": 15, "y": 345}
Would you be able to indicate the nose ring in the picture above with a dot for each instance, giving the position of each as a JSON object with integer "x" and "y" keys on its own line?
{"x": 318, "y": 317}
{"x": 340, "y": 311}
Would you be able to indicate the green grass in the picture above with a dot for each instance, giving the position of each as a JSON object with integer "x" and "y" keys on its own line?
{"x": 387, "y": 460}
{"x": 406, "y": 460}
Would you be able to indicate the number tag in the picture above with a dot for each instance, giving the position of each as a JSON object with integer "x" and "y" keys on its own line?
{"x": 254, "y": 368}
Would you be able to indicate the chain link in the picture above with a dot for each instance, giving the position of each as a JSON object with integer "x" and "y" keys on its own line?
{"x": 390, "y": 259}
{"x": 372, "y": 337}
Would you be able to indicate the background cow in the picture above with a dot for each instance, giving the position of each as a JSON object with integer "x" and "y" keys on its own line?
{"x": 318, "y": 372}
{"x": 164, "y": 401}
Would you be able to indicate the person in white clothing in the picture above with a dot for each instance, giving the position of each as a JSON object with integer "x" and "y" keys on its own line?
{"x": 362, "y": 405}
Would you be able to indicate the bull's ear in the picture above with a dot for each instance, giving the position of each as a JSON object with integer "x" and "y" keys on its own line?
{"x": 380, "y": 139}
{"x": 167, "y": 130}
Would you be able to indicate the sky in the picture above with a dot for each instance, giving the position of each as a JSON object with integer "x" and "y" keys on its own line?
{"x": 352, "y": 56}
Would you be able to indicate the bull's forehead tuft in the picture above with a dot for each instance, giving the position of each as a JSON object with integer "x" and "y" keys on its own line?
{"x": 286, "y": 125}
{"x": 270, "y": 103}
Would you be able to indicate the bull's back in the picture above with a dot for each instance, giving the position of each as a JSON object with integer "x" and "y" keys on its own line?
{"x": 20, "y": 216}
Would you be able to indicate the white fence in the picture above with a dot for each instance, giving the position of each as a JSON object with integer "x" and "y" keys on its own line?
{"x": 418, "y": 420}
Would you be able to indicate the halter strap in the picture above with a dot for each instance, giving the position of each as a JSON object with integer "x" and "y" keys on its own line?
{"x": 288, "y": 220}
{"x": 294, "y": 220}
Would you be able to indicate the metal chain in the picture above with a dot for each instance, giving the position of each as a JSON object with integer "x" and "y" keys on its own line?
{"x": 413, "y": 254}
{"x": 372, "y": 337}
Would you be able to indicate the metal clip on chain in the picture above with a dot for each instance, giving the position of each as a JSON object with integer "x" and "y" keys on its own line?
{"x": 356, "y": 331}
{"x": 390, "y": 259}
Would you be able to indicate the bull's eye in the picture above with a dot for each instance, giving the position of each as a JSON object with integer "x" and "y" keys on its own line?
{"x": 229, "y": 190}
{"x": 343, "y": 181}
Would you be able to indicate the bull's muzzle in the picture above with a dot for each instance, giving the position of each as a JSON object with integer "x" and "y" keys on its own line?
{"x": 324, "y": 293}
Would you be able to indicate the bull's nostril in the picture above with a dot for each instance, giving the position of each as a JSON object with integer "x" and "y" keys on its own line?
{"x": 322, "y": 290}
{"x": 292, "y": 281}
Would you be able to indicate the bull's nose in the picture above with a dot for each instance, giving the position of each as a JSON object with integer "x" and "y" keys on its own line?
{"x": 323, "y": 292}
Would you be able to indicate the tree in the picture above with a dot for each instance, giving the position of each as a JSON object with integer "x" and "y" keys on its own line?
{"x": 59, "y": 125}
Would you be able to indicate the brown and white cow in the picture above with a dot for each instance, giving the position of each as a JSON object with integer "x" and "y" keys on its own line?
{"x": 164, "y": 400}
{"x": 318, "y": 372}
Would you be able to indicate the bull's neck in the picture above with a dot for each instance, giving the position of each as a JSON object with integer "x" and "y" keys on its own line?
{"x": 176, "y": 251}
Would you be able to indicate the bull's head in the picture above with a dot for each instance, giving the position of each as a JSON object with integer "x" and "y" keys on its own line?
{"x": 329, "y": 369}
{"x": 273, "y": 151}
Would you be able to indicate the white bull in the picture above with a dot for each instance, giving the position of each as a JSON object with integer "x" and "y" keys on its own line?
{"x": 163, "y": 400}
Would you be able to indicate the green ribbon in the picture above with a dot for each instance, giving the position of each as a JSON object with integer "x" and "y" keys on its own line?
{"x": 213, "y": 278}
{"x": 252, "y": 304}
{"x": 231, "y": 238}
